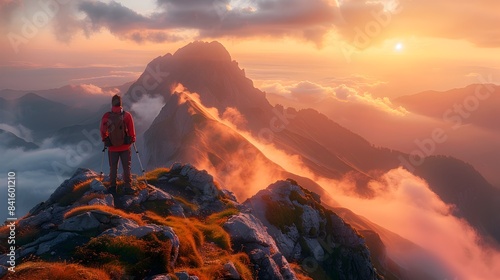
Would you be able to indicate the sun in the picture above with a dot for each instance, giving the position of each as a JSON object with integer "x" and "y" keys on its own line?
{"x": 399, "y": 47}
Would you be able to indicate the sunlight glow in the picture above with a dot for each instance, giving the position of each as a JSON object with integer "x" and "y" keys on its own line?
{"x": 399, "y": 47}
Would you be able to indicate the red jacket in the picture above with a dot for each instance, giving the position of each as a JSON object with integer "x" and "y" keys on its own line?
{"x": 129, "y": 122}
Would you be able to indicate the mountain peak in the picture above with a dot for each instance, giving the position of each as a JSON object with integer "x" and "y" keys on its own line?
{"x": 200, "y": 50}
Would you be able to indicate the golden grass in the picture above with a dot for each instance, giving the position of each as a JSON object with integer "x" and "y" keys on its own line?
{"x": 82, "y": 209}
{"x": 57, "y": 271}
{"x": 77, "y": 192}
{"x": 216, "y": 234}
{"x": 301, "y": 274}
{"x": 186, "y": 204}
{"x": 216, "y": 270}
{"x": 192, "y": 234}
{"x": 220, "y": 218}
{"x": 152, "y": 176}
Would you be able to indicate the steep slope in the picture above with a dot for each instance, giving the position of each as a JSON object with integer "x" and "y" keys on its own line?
{"x": 180, "y": 225}
{"x": 185, "y": 131}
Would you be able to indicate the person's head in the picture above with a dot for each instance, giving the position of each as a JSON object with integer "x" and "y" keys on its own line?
{"x": 116, "y": 100}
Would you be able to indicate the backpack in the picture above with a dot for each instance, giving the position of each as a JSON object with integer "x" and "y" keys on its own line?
{"x": 117, "y": 130}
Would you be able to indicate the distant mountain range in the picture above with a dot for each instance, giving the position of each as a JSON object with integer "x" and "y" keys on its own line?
{"x": 475, "y": 104}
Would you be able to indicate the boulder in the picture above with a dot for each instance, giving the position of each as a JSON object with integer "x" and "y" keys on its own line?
{"x": 35, "y": 221}
{"x": 47, "y": 246}
{"x": 83, "y": 222}
{"x": 107, "y": 200}
{"x": 97, "y": 186}
{"x": 158, "y": 194}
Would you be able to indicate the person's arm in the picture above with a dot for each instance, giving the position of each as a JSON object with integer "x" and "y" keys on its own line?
{"x": 129, "y": 121}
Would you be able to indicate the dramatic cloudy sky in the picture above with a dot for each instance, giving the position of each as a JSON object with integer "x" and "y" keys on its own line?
{"x": 403, "y": 46}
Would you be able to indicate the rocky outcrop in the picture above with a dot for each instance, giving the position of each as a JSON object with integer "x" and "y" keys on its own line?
{"x": 308, "y": 233}
{"x": 162, "y": 222}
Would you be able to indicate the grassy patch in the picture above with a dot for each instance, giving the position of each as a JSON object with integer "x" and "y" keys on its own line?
{"x": 193, "y": 234}
{"x": 160, "y": 207}
{"x": 107, "y": 209}
{"x": 58, "y": 271}
{"x": 216, "y": 234}
{"x": 216, "y": 270}
{"x": 190, "y": 238}
{"x": 220, "y": 218}
{"x": 76, "y": 193}
{"x": 186, "y": 205}
{"x": 127, "y": 254}
{"x": 152, "y": 176}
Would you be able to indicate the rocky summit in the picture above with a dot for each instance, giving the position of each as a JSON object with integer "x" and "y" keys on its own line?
{"x": 182, "y": 225}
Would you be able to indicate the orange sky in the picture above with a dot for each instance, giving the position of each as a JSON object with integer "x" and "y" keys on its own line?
{"x": 394, "y": 47}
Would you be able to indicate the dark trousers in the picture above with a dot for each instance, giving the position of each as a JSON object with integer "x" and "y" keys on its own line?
{"x": 126, "y": 159}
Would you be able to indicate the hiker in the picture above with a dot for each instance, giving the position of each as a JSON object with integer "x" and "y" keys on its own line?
{"x": 118, "y": 134}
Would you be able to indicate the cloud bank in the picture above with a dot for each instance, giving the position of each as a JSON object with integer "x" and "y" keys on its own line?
{"x": 310, "y": 21}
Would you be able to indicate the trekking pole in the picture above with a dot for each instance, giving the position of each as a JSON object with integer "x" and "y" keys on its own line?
{"x": 140, "y": 164}
{"x": 102, "y": 162}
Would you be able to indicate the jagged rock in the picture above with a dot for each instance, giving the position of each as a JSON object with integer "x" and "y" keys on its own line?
{"x": 107, "y": 200}
{"x": 45, "y": 243}
{"x": 83, "y": 222}
{"x": 177, "y": 210}
{"x": 310, "y": 219}
{"x": 158, "y": 194}
{"x": 201, "y": 181}
{"x": 265, "y": 265}
{"x": 315, "y": 248}
{"x": 245, "y": 228}
{"x": 97, "y": 186}
{"x": 47, "y": 246}
{"x": 35, "y": 221}
{"x": 66, "y": 187}
{"x": 247, "y": 232}
{"x": 176, "y": 167}
{"x": 121, "y": 226}
{"x": 130, "y": 200}
{"x": 231, "y": 271}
